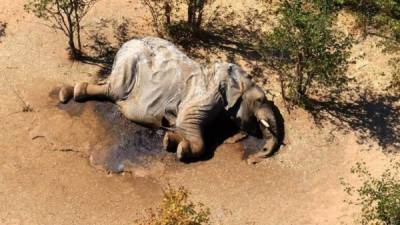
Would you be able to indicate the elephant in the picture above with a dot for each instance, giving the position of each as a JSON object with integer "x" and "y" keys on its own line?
{"x": 156, "y": 85}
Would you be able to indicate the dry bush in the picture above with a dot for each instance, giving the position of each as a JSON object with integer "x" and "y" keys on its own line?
{"x": 306, "y": 50}
{"x": 63, "y": 15}
{"x": 177, "y": 209}
{"x": 379, "y": 197}
{"x": 3, "y": 26}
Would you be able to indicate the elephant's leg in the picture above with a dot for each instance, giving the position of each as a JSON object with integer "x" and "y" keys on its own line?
{"x": 191, "y": 145}
{"x": 65, "y": 94}
{"x": 191, "y": 121}
{"x": 84, "y": 91}
{"x": 171, "y": 141}
{"x": 190, "y": 148}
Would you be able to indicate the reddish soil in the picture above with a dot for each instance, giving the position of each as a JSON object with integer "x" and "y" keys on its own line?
{"x": 53, "y": 157}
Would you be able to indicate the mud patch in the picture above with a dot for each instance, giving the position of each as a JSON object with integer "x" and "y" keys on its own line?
{"x": 130, "y": 147}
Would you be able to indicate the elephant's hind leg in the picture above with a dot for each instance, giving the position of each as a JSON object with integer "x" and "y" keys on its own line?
{"x": 66, "y": 93}
{"x": 84, "y": 91}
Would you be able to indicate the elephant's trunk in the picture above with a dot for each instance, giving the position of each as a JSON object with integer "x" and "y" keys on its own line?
{"x": 269, "y": 126}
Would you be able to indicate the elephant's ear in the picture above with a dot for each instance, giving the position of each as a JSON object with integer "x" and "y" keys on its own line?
{"x": 234, "y": 89}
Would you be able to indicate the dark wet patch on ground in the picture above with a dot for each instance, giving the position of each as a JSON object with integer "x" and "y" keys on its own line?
{"x": 131, "y": 144}
{"x": 251, "y": 145}
{"x": 72, "y": 108}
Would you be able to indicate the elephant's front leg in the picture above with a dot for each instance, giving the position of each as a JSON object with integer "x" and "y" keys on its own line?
{"x": 171, "y": 141}
{"x": 186, "y": 148}
{"x": 191, "y": 120}
{"x": 191, "y": 148}
{"x": 189, "y": 128}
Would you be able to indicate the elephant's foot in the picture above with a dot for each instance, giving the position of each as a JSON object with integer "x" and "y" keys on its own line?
{"x": 183, "y": 151}
{"x": 65, "y": 94}
{"x": 190, "y": 150}
{"x": 80, "y": 92}
{"x": 171, "y": 141}
{"x": 167, "y": 145}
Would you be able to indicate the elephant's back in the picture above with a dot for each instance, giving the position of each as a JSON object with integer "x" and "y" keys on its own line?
{"x": 153, "y": 75}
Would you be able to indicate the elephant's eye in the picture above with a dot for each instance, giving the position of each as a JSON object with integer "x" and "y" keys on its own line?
{"x": 258, "y": 102}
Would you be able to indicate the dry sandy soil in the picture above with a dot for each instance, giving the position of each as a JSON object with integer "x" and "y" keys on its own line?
{"x": 47, "y": 172}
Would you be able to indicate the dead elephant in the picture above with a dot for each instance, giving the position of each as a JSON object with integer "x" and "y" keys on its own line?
{"x": 157, "y": 85}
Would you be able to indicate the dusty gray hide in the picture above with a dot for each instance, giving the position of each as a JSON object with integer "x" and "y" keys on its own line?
{"x": 157, "y": 85}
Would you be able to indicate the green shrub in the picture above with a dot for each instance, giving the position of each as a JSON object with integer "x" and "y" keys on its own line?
{"x": 379, "y": 197}
{"x": 306, "y": 50}
{"x": 177, "y": 209}
{"x": 379, "y": 17}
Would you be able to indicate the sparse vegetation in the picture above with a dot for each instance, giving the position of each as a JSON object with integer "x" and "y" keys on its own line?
{"x": 177, "y": 209}
{"x": 379, "y": 197}
{"x": 63, "y": 15}
{"x": 376, "y": 16}
{"x": 102, "y": 48}
{"x": 306, "y": 50}
{"x": 380, "y": 18}
{"x": 395, "y": 83}
{"x": 209, "y": 30}
{"x": 3, "y": 26}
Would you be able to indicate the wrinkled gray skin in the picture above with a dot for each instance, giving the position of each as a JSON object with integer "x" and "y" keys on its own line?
{"x": 157, "y": 85}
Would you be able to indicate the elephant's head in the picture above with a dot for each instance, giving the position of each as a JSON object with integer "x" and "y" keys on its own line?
{"x": 248, "y": 106}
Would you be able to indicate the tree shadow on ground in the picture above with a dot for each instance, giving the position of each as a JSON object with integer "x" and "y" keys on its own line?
{"x": 225, "y": 32}
{"x": 105, "y": 39}
{"x": 373, "y": 116}
{"x": 219, "y": 36}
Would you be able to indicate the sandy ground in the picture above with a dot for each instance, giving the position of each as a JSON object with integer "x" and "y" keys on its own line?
{"x": 46, "y": 176}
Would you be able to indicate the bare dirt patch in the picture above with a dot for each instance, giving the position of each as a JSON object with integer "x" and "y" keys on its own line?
{"x": 46, "y": 175}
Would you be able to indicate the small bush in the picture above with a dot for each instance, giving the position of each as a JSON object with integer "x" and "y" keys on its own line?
{"x": 63, "y": 15}
{"x": 379, "y": 17}
{"x": 177, "y": 209}
{"x": 3, "y": 26}
{"x": 379, "y": 197}
{"x": 306, "y": 50}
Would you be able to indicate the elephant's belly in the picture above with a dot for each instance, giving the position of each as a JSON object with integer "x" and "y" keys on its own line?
{"x": 138, "y": 114}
